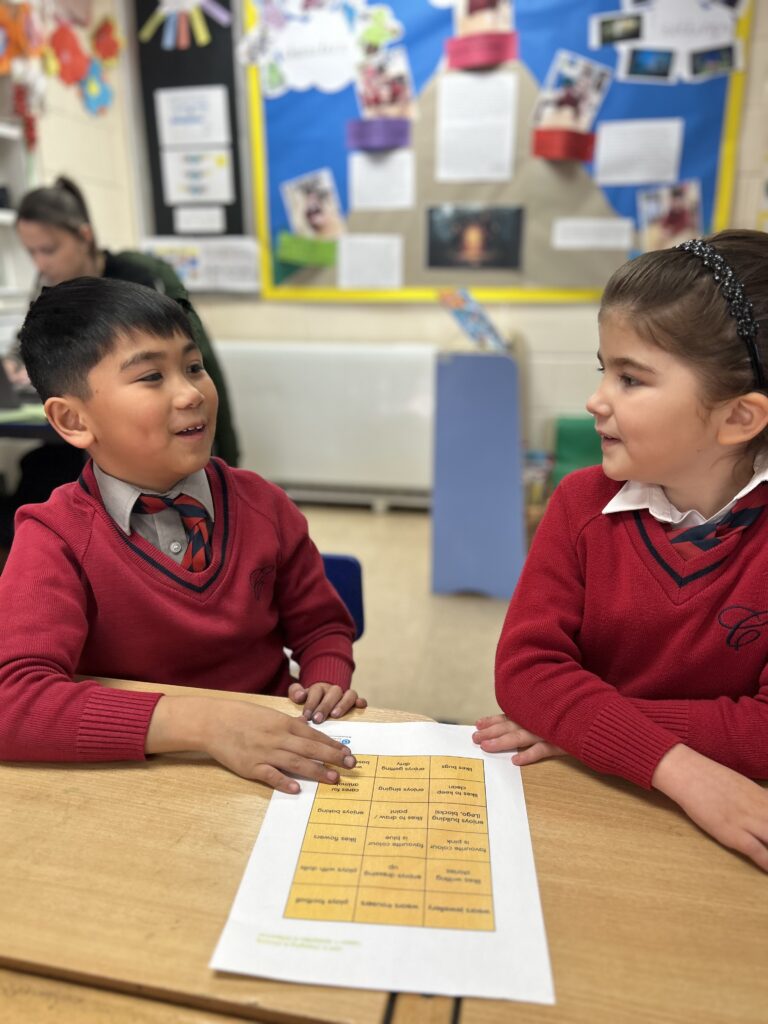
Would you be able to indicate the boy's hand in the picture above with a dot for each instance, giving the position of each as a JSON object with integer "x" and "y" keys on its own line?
{"x": 254, "y": 742}
{"x": 322, "y": 700}
{"x": 730, "y": 807}
{"x": 498, "y": 733}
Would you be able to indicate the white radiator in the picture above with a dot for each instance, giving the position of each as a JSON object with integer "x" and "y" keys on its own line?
{"x": 336, "y": 421}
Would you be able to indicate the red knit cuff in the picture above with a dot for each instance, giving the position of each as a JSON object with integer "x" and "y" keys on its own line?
{"x": 673, "y": 715}
{"x": 623, "y": 742}
{"x": 327, "y": 668}
{"x": 114, "y": 724}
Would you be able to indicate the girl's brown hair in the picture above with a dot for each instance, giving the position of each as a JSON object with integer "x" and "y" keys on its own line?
{"x": 672, "y": 300}
{"x": 60, "y": 205}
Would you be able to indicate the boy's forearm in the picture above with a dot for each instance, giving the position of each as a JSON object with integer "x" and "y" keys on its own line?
{"x": 670, "y": 770}
{"x": 178, "y": 724}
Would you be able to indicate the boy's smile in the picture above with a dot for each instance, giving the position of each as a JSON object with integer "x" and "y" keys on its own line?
{"x": 151, "y": 415}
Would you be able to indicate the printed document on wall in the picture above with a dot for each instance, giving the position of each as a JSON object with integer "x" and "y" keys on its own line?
{"x": 638, "y": 152}
{"x": 414, "y": 873}
{"x": 193, "y": 115}
{"x": 197, "y": 176}
{"x": 476, "y": 118}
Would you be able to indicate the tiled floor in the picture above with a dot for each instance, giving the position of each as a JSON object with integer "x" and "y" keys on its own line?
{"x": 420, "y": 652}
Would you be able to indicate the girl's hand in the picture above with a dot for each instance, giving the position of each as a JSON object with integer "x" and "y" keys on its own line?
{"x": 730, "y": 807}
{"x": 322, "y": 700}
{"x": 498, "y": 733}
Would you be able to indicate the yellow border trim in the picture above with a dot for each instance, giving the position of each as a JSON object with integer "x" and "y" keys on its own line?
{"x": 296, "y": 294}
{"x": 724, "y": 189}
{"x": 259, "y": 160}
{"x": 729, "y": 141}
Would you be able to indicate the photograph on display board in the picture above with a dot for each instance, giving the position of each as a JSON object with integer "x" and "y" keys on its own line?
{"x": 312, "y": 205}
{"x": 573, "y": 92}
{"x": 607, "y": 30}
{"x": 669, "y": 215}
{"x": 720, "y": 60}
{"x": 473, "y": 16}
{"x": 384, "y": 85}
{"x": 648, "y": 64}
{"x": 475, "y": 237}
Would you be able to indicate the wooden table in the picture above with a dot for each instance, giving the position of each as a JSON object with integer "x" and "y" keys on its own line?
{"x": 117, "y": 880}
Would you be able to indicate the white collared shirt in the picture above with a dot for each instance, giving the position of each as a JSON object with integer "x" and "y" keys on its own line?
{"x": 164, "y": 530}
{"x": 635, "y": 495}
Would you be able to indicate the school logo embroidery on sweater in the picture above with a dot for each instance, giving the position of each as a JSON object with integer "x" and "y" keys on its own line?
{"x": 744, "y": 625}
{"x": 259, "y": 577}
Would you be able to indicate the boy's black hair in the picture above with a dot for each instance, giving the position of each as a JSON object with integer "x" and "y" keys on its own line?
{"x": 70, "y": 328}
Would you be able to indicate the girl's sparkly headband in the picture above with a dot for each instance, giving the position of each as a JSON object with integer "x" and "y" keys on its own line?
{"x": 739, "y": 305}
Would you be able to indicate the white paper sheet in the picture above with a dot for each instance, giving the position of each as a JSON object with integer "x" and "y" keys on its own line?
{"x": 193, "y": 115}
{"x": 197, "y": 176}
{"x": 370, "y": 261}
{"x": 199, "y": 220}
{"x": 476, "y": 118}
{"x": 381, "y": 181}
{"x": 593, "y": 233}
{"x": 474, "y": 853}
{"x": 639, "y": 152}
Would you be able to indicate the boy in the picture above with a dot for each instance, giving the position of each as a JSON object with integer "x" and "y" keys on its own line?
{"x": 158, "y": 563}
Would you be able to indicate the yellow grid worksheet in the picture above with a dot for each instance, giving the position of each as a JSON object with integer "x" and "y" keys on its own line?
{"x": 399, "y": 840}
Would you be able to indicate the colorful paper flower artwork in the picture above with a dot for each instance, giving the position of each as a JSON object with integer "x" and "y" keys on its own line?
{"x": 7, "y": 29}
{"x": 73, "y": 62}
{"x": 105, "y": 41}
{"x": 183, "y": 21}
{"x": 97, "y": 94}
{"x": 30, "y": 38}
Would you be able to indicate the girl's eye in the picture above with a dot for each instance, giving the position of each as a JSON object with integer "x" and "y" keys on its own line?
{"x": 151, "y": 378}
{"x": 627, "y": 381}
{"x": 196, "y": 368}
{"x": 600, "y": 369}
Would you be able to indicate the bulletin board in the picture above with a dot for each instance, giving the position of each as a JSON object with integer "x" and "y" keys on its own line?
{"x": 568, "y": 223}
{"x": 199, "y": 65}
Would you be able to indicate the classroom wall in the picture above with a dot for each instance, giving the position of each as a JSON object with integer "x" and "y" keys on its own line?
{"x": 99, "y": 151}
{"x": 560, "y": 340}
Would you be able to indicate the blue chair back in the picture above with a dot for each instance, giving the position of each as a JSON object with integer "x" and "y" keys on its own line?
{"x": 345, "y": 573}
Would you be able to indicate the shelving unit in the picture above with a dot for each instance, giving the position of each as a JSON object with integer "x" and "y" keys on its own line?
{"x": 16, "y": 270}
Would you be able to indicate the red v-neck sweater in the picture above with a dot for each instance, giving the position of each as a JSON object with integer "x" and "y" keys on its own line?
{"x": 80, "y": 597}
{"x": 615, "y": 648}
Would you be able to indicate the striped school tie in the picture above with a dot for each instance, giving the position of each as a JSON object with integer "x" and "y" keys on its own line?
{"x": 691, "y": 541}
{"x": 196, "y": 525}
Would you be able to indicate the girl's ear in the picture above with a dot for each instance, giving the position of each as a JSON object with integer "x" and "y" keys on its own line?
{"x": 85, "y": 231}
{"x": 66, "y": 416}
{"x": 745, "y": 417}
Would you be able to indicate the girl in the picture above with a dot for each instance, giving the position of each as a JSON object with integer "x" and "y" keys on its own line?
{"x": 637, "y": 637}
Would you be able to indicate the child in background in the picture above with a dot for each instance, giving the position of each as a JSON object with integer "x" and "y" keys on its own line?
{"x": 54, "y": 226}
{"x": 637, "y": 637}
{"x": 159, "y": 563}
